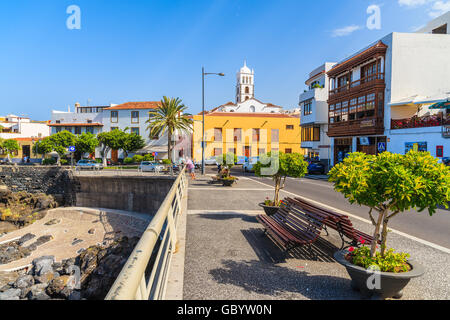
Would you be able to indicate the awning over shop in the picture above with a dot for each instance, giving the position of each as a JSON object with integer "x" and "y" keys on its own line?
{"x": 441, "y": 105}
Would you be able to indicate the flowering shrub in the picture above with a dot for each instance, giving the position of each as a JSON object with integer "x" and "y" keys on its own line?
{"x": 390, "y": 262}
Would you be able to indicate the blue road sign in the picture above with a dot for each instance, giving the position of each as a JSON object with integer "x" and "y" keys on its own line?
{"x": 381, "y": 146}
{"x": 72, "y": 149}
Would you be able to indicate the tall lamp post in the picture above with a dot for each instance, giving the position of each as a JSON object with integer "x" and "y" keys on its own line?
{"x": 203, "y": 113}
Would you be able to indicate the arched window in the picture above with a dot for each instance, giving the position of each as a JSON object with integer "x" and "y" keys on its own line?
{"x": 252, "y": 108}
{"x": 247, "y": 90}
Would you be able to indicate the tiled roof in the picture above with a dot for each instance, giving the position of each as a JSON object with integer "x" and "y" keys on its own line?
{"x": 95, "y": 124}
{"x": 136, "y": 105}
{"x": 253, "y": 115}
{"x": 355, "y": 59}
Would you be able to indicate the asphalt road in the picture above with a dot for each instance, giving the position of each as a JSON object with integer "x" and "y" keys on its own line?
{"x": 435, "y": 229}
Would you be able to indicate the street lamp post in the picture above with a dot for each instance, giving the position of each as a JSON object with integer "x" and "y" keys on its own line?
{"x": 203, "y": 113}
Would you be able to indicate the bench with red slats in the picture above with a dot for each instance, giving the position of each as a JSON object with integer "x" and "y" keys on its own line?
{"x": 292, "y": 228}
{"x": 334, "y": 220}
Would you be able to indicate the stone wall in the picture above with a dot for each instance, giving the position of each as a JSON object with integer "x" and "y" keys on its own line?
{"x": 131, "y": 193}
{"x": 138, "y": 194}
{"x": 54, "y": 181}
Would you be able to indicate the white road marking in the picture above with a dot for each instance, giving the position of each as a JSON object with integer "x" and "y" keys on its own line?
{"x": 249, "y": 212}
{"x": 230, "y": 189}
{"x": 425, "y": 242}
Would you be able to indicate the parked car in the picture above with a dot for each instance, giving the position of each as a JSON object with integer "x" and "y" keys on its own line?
{"x": 446, "y": 161}
{"x": 316, "y": 167}
{"x": 88, "y": 165}
{"x": 148, "y": 166}
{"x": 249, "y": 163}
{"x": 208, "y": 162}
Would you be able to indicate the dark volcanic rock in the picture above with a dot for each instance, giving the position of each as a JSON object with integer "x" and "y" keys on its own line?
{"x": 25, "y": 238}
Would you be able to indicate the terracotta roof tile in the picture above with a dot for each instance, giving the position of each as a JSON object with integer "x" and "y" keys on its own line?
{"x": 95, "y": 124}
{"x": 136, "y": 105}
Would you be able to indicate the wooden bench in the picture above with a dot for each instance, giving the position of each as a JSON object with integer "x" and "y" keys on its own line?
{"x": 292, "y": 227}
{"x": 339, "y": 222}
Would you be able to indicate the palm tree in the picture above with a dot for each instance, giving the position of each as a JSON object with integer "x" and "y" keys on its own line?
{"x": 168, "y": 118}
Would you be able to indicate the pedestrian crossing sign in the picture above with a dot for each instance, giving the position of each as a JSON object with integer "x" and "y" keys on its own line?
{"x": 381, "y": 147}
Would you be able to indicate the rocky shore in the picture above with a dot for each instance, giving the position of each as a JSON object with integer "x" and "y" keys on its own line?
{"x": 20, "y": 209}
{"x": 88, "y": 276}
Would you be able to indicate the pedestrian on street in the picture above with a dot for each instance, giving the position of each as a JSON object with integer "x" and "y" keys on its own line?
{"x": 191, "y": 168}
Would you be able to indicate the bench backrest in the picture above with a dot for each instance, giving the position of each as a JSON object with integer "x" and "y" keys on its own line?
{"x": 332, "y": 219}
{"x": 299, "y": 221}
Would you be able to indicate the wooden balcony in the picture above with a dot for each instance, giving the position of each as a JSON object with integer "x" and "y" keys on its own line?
{"x": 361, "y": 127}
{"x": 422, "y": 122}
{"x": 355, "y": 87}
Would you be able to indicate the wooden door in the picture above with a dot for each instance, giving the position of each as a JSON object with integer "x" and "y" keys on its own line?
{"x": 114, "y": 156}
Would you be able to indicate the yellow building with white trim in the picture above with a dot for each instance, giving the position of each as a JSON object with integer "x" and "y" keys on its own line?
{"x": 246, "y": 134}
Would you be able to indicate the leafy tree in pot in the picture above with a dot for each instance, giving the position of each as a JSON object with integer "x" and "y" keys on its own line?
{"x": 279, "y": 166}
{"x": 390, "y": 184}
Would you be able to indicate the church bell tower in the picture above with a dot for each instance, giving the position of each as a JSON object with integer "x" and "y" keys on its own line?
{"x": 245, "y": 88}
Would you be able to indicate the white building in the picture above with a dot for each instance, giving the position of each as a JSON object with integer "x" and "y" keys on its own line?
{"x": 22, "y": 127}
{"x": 134, "y": 116}
{"x": 82, "y": 120}
{"x": 379, "y": 97}
{"x": 314, "y": 115}
{"x": 440, "y": 25}
{"x": 131, "y": 116}
{"x": 245, "y": 96}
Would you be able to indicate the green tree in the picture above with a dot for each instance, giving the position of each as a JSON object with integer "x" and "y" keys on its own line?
{"x": 85, "y": 143}
{"x": 10, "y": 146}
{"x": 227, "y": 159}
{"x": 390, "y": 184}
{"x": 60, "y": 142}
{"x": 169, "y": 117}
{"x": 279, "y": 166}
{"x": 43, "y": 147}
{"x": 133, "y": 142}
{"x": 112, "y": 140}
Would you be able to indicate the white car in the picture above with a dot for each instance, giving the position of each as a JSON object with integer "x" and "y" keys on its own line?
{"x": 208, "y": 162}
{"x": 147, "y": 166}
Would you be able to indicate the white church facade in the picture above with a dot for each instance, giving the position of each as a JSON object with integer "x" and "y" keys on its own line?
{"x": 245, "y": 101}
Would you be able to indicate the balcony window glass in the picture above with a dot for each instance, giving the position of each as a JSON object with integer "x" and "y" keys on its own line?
{"x": 135, "y": 131}
{"x": 256, "y": 135}
{"x": 275, "y": 135}
{"x": 307, "y": 107}
{"x": 310, "y": 133}
{"x": 218, "y": 134}
{"x": 135, "y": 117}
{"x": 114, "y": 116}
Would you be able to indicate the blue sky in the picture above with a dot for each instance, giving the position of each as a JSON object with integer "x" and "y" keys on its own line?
{"x": 138, "y": 50}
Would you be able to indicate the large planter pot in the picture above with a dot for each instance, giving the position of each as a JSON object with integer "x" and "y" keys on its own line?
{"x": 227, "y": 183}
{"x": 269, "y": 210}
{"x": 391, "y": 284}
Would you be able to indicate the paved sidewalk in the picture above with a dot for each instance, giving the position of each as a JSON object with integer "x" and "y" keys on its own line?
{"x": 228, "y": 257}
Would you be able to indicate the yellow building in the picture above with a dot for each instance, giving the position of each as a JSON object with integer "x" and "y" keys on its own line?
{"x": 25, "y": 149}
{"x": 246, "y": 134}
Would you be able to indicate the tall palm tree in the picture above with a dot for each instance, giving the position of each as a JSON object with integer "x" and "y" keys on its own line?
{"x": 169, "y": 117}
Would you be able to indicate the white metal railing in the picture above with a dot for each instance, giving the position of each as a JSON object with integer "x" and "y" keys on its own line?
{"x": 132, "y": 282}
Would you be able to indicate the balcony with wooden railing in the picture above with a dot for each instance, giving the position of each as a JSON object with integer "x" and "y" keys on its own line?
{"x": 365, "y": 126}
{"x": 374, "y": 80}
{"x": 421, "y": 122}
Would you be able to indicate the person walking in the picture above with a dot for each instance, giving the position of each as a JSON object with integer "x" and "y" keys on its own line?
{"x": 191, "y": 168}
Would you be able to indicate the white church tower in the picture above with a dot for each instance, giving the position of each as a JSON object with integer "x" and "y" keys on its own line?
{"x": 245, "y": 88}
